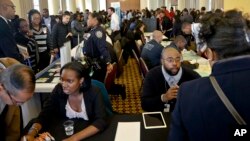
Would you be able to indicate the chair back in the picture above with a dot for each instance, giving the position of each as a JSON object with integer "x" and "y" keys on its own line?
{"x": 138, "y": 47}
{"x": 110, "y": 77}
{"x": 120, "y": 64}
{"x": 144, "y": 68}
{"x": 107, "y": 102}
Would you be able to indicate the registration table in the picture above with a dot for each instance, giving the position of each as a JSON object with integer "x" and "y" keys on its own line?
{"x": 159, "y": 134}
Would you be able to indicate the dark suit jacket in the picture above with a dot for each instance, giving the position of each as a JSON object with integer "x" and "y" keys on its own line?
{"x": 200, "y": 115}
{"x": 155, "y": 85}
{"x": 54, "y": 108}
{"x": 8, "y": 46}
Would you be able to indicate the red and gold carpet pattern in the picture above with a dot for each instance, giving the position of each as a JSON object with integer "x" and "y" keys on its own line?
{"x": 132, "y": 80}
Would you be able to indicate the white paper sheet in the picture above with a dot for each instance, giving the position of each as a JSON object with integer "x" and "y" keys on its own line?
{"x": 65, "y": 53}
{"x": 128, "y": 131}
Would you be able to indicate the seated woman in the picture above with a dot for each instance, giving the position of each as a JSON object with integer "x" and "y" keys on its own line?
{"x": 17, "y": 84}
{"x": 74, "y": 97}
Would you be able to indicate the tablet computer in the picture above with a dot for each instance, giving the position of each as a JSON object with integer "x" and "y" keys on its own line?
{"x": 153, "y": 120}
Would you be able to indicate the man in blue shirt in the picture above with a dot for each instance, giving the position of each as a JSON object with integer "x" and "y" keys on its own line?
{"x": 151, "y": 52}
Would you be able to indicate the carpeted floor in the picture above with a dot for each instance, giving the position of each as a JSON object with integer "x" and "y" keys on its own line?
{"x": 132, "y": 80}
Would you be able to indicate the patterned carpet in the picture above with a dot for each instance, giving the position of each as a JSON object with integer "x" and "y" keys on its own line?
{"x": 132, "y": 80}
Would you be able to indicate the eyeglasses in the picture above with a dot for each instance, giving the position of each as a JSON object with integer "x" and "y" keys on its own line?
{"x": 12, "y": 6}
{"x": 172, "y": 60}
{"x": 14, "y": 102}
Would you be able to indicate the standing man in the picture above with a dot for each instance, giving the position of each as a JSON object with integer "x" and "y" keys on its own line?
{"x": 47, "y": 20}
{"x": 96, "y": 49}
{"x": 114, "y": 23}
{"x": 161, "y": 84}
{"x": 8, "y": 47}
{"x": 61, "y": 32}
{"x": 193, "y": 29}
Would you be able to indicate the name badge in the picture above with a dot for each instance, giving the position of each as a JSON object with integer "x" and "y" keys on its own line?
{"x": 167, "y": 108}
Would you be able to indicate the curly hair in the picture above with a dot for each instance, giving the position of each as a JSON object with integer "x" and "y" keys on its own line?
{"x": 225, "y": 33}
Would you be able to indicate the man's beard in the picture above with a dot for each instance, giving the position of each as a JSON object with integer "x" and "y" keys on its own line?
{"x": 170, "y": 72}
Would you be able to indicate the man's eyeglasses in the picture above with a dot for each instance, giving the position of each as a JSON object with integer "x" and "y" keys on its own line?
{"x": 172, "y": 60}
{"x": 14, "y": 102}
{"x": 12, "y": 6}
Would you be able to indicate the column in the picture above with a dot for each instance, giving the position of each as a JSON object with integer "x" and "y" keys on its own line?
{"x": 63, "y": 5}
{"x": 143, "y": 4}
{"x": 54, "y": 7}
{"x": 103, "y": 4}
{"x": 25, "y": 6}
{"x": 43, "y": 4}
{"x": 95, "y": 5}
{"x": 71, "y": 5}
{"x": 88, "y": 4}
{"x": 18, "y": 9}
{"x": 181, "y": 4}
{"x": 80, "y": 4}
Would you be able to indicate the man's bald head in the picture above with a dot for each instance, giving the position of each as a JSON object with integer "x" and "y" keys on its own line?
{"x": 7, "y": 9}
{"x": 157, "y": 35}
{"x": 168, "y": 50}
{"x": 171, "y": 60}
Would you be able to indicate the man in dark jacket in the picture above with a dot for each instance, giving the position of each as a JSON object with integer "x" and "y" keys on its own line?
{"x": 161, "y": 84}
{"x": 61, "y": 32}
{"x": 8, "y": 47}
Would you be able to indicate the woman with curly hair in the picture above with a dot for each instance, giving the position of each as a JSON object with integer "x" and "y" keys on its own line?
{"x": 200, "y": 115}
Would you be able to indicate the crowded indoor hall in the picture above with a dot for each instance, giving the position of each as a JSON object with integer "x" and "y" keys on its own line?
{"x": 124, "y": 70}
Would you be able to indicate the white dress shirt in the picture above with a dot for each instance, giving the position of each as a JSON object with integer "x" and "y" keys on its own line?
{"x": 70, "y": 113}
{"x": 172, "y": 80}
{"x": 114, "y": 23}
{"x": 195, "y": 27}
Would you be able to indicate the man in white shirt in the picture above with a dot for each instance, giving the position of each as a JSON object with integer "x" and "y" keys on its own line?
{"x": 114, "y": 23}
{"x": 194, "y": 29}
{"x": 49, "y": 21}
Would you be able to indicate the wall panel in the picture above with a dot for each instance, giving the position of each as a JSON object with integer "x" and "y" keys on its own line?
{"x": 126, "y": 4}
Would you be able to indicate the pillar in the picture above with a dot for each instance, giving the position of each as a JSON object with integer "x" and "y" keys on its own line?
{"x": 71, "y": 5}
{"x": 54, "y": 7}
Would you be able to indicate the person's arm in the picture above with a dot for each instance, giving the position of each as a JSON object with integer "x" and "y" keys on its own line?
{"x": 101, "y": 46}
{"x": 33, "y": 132}
{"x": 54, "y": 38}
{"x": 47, "y": 115}
{"x": 8, "y": 48}
{"x": 177, "y": 132}
{"x": 150, "y": 99}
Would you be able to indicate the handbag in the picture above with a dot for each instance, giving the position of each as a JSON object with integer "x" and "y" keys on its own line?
{"x": 226, "y": 102}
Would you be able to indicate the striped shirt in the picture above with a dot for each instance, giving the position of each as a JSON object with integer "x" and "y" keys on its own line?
{"x": 41, "y": 38}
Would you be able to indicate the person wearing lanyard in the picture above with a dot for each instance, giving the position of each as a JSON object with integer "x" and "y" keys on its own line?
{"x": 161, "y": 84}
{"x": 96, "y": 49}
